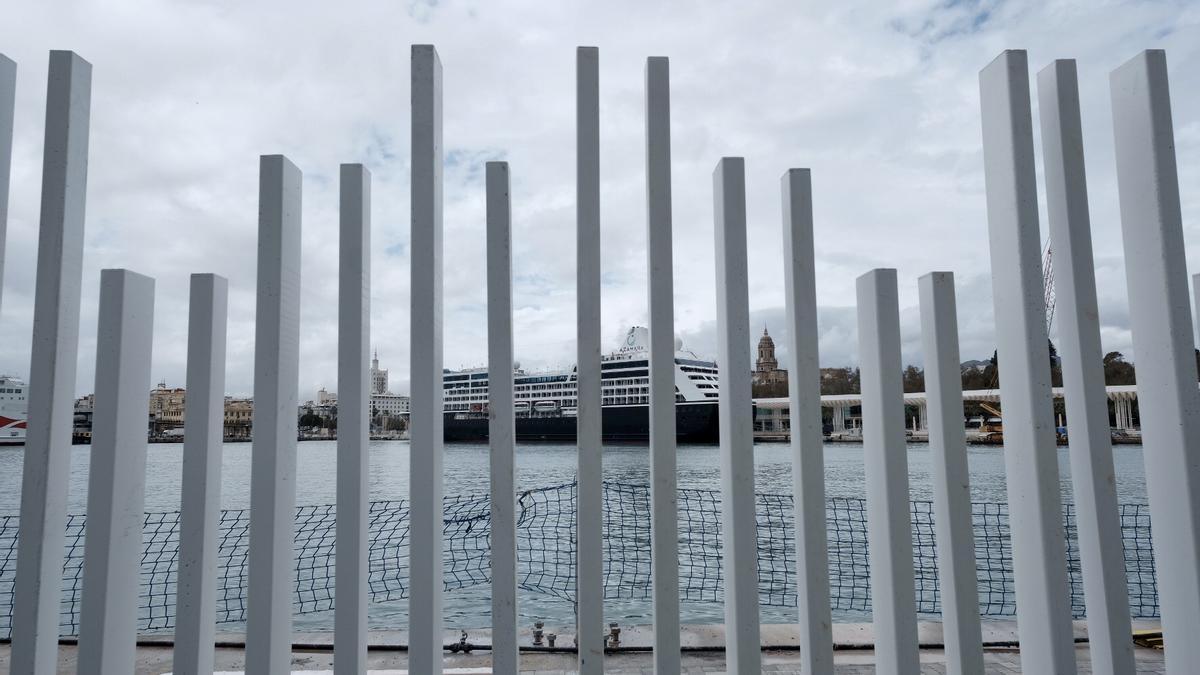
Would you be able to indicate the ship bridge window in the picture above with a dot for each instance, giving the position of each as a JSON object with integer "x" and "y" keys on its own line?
{"x": 622, "y": 374}
{"x": 614, "y": 365}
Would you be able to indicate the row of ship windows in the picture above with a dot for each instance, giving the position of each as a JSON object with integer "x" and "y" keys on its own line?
{"x": 481, "y": 385}
{"x": 635, "y": 369}
{"x": 641, "y": 399}
{"x": 619, "y": 393}
{"x": 607, "y": 384}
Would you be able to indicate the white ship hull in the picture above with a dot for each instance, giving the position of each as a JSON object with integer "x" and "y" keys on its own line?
{"x": 13, "y": 410}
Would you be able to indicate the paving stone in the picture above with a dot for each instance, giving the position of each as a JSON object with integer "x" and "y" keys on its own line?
{"x": 157, "y": 660}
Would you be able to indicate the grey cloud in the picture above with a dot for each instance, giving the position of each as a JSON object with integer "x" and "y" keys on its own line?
{"x": 187, "y": 95}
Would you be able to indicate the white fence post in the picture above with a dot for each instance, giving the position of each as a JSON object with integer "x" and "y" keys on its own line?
{"x": 1156, "y": 271}
{"x": 501, "y": 423}
{"x": 273, "y": 457}
{"x": 200, "y": 505}
{"x": 353, "y": 436}
{"x": 425, "y": 447}
{"x": 808, "y": 454}
{"x": 664, "y": 495}
{"x": 589, "y": 500}
{"x": 1030, "y": 454}
{"x": 885, "y": 456}
{"x": 953, "y": 530}
{"x": 8, "y": 101}
{"x": 739, "y": 525}
{"x": 47, "y": 467}
{"x": 117, "y": 474}
{"x": 1099, "y": 523}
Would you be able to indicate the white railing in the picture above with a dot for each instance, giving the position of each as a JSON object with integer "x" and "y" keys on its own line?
{"x": 1162, "y": 325}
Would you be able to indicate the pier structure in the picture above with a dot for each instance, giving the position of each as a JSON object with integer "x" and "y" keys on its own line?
{"x": 772, "y": 415}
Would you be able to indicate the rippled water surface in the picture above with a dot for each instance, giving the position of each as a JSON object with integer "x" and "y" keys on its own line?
{"x": 543, "y": 465}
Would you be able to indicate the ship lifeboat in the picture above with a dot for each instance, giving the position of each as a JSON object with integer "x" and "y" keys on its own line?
{"x": 545, "y": 406}
{"x": 521, "y": 406}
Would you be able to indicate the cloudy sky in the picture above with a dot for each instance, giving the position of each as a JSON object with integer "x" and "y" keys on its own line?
{"x": 880, "y": 100}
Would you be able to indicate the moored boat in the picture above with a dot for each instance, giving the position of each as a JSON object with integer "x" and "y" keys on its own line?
{"x": 545, "y": 403}
{"x": 14, "y": 408}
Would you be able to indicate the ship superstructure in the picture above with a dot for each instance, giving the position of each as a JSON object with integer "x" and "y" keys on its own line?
{"x": 545, "y": 403}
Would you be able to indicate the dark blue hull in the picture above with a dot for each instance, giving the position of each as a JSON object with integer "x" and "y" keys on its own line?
{"x": 694, "y": 423}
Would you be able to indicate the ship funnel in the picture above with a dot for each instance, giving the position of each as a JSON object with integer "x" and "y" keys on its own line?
{"x": 636, "y": 340}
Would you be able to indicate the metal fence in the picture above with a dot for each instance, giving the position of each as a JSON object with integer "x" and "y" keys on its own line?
{"x": 546, "y": 521}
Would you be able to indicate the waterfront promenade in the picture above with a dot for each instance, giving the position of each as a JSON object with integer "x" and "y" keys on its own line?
{"x": 772, "y": 415}
{"x": 312, "y": 652}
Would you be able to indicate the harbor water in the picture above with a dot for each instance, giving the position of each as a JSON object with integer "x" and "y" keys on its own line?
{"x": 540, "y": 466}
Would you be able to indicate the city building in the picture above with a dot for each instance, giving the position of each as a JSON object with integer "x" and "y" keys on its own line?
{"x": 239, "y": 418}
{"x": 390, "y": 404}
{"x": 81, "y": 425}
{"x": 384, "y": 402}
{"x": 766, "y": 367}
{"x": 167, "y": 407}
{"x": 379, "y": 378}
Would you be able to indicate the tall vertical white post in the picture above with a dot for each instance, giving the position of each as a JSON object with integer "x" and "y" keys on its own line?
{"x": 501, "y": 423}
{"x": 425, "y": 459}
{"x": 589, "y": 500}
{"x": 8, "y": 101}
{"x": 1096, "y": 516}
{"x": 47, "y": 467}
{"x": 808, "y": 455}
{"x": 353, "y": 486}
{"x": 273, "y": 457}
{"x": 953, "y": 531}
{"x": 200, "y": 506}
{"x": 1156, "y": 272}
{"x": 1030, "y": 455}
{"x": 117, "y": 475}
{"x": 885, "y": 456}
{"x": 664, "y": 508}
{"x": 739, "y": 526}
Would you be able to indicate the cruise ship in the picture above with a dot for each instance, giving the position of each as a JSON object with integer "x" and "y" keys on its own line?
{"x": 545, "y": 403}
{"x": 14, "y": 407}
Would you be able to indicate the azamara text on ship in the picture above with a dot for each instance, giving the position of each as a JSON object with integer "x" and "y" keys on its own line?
{"x": 545, "y": 403}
